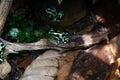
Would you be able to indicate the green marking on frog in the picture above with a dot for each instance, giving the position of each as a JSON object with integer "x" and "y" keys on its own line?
{"x": 2, "y": 47}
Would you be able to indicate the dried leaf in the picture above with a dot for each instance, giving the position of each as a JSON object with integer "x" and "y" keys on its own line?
{"x": 23, "y": 63}
{"x": 5, "y": 68}
{"x": 45, "y": 67}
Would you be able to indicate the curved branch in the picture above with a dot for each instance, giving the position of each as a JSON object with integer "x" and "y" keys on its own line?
{"x": 39, "y": 45}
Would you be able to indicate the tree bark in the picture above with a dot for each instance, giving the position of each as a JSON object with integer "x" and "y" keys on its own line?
{"x": 4, "y": 10}
{"x": 39, "y": 45}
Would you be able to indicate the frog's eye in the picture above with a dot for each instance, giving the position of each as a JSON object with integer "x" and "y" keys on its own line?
{"x": 1, "y": 44}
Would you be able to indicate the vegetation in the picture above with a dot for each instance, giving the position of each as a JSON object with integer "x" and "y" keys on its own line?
{"x": 22, "y": 29}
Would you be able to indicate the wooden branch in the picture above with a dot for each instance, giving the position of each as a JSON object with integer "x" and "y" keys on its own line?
{"x": 4, "y": 10}
{"x": 39, "y": 45}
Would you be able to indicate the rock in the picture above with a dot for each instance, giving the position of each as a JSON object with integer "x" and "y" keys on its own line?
{"x": 88, "y": 67}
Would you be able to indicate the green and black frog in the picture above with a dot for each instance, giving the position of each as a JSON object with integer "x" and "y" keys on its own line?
{"x": 61, "y": 37}
{"x": 54, "y": 14}
{"x": 2, "y": 47}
